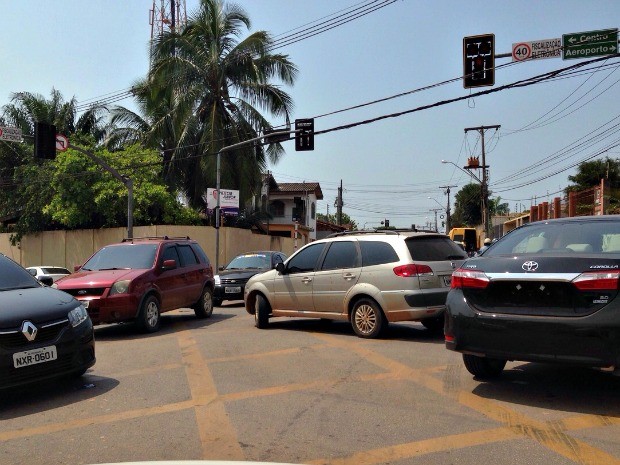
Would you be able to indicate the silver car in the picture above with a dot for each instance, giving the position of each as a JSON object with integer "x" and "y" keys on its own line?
{"x": 367, "y": 278}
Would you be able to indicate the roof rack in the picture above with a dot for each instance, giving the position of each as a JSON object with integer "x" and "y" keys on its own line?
{"x": 374, "y": 231}
{"x": 159, "y": 238}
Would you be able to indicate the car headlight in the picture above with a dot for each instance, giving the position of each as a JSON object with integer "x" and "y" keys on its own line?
{"x": 217, "y": 279}
{"x": 120, "y": 287}
{"x": 78, "y": 315}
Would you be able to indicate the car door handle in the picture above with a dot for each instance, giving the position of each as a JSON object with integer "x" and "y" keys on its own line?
{"x": 348, "y": 276}
{"x": 306, "y": 280}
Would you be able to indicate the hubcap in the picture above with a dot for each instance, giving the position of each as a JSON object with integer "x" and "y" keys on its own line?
{"x": 207, "y": 304}
{"x": 365, "y": 319}
{"x": 152, "y": 314}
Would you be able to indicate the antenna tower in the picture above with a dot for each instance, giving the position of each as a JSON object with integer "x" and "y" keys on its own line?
{"x": 167, "y": 15}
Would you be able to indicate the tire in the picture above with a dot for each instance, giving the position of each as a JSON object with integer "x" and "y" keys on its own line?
{"x": 434, "y": 324}
{"x": 367, "y": 319}
{"x": 149, "y": 318}
{"x": 217, "y": 302}
{"x": 482, "y": 367}
{"x": 204, "y": 307}
{"x": 261, "y": 312}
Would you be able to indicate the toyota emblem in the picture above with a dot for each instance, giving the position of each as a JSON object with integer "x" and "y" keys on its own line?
{"x": 530, "y": 266}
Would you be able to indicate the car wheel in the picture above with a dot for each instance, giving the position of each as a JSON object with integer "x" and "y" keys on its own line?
{"x": 204, "y": 307}
{"x": 261, "y": 312}
{"x": 149, "y": 318}
{"x": 434, "y": 324}
{"x": 367, "y": 318}
{"x": 482, "y": 367}
{"x": 217, "y": 302}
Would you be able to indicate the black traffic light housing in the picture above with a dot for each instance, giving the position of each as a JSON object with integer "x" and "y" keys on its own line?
{"x": 304, "y": 134}
{"x": 479, "y": 61}
{"x": 44, "y": 140}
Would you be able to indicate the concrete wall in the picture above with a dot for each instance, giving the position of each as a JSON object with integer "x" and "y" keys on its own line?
{"x": 70, "y": 248}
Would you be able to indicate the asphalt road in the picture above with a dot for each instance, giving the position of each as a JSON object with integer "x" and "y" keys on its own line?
{"x": 307, "y": 392}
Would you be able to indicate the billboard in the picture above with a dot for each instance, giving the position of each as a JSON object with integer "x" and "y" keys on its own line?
{"x": 229, "y": 200}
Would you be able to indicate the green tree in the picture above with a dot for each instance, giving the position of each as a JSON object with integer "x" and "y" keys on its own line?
{"x": 590, "y": 173}
{"x": 497, "y": 207}
{"x": 333, "y": 218}
{"x": 467, "y": 206}
{"x": 206, "y": 90}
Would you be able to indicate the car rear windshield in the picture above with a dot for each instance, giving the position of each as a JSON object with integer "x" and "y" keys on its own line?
{"x": 598, "y": 237}
{"x": 434, "y": 249}
{"x": 118, "y": 257}
{"x": 55, "y": 270}
{"x": 13, "y": 276}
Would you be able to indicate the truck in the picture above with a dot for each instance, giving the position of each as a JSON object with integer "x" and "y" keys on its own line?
{"x": 469, "y": 238}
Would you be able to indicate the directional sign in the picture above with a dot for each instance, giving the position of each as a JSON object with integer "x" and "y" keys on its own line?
{"x": 11, "y": 134}
{"x": 546, "y": 48}
{"x": 62, "y": 143}
{"x": 590, "y": 44}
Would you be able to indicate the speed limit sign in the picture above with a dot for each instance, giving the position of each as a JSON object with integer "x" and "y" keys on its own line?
{"x": 521, "y": 51}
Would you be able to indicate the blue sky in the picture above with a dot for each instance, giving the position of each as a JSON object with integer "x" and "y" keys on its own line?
{"x": 389, "y": 168}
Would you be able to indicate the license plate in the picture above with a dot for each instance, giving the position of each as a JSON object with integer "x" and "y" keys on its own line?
{"x": 447, "y": 280}
{"x": 232, "y": 290}
{"x": 34, "y": 356}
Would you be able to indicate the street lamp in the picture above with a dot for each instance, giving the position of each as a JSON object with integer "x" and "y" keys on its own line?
{"x": 463, "y": 170}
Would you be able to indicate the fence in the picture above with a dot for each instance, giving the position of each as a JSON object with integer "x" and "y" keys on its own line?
{"x": 70, "y": 248}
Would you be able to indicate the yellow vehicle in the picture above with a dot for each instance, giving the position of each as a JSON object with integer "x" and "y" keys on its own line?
{"x": 468, "y": 237}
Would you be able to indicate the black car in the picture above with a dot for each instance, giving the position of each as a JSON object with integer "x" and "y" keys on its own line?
{"x": 545, "y": 292}
{"x": 230, "y": 282}
{"x": 44, "y": 332}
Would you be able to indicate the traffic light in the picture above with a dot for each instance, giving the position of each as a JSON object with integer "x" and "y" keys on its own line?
{"x": 386, "y": 223}
{"x": 44, "y": 140}
{"x": 304, "y": 134}
{"x": 479, "y": 61}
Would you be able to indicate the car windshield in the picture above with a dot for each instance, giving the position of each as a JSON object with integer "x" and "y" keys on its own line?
{"x": 121, "y": 257}
{"x": 13, "y": 276}
{"x": 249, "y": 261}
{"x": 600, "y": 237}
{"x": 55, "y": 270}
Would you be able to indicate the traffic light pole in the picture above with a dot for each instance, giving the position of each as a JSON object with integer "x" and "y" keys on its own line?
{"x": 448, "y": 217}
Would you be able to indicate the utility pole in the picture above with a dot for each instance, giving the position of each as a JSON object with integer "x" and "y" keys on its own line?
{"x": 339, "y": 205}
{"x": 448, "y": 219}
{"x": 435, "y": 210}
{"x": 484, "y": 189}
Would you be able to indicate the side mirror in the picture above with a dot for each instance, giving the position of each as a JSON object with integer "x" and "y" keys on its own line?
{"x": 280, "y": 267}
{"x": 76, "y": 268}
{"x": 33, "y": 272}
{"x": 46, "y": 280}
{"x": 169, "y": 265}
{"x": 221, "y": 268}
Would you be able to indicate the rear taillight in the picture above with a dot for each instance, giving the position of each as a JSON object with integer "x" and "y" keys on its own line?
{"x": 597, "y": 281}
{"x": 407, "y": 271}
{"x": 463, "y": 278}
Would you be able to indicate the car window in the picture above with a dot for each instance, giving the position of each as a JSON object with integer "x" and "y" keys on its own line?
{"x": 377, "y": 253}
{"x": 55, "y": 270}
{"x": 201, "y": 254}
{"x": 278, "y": 258}
{"x": 13, "y": 276}
{"x": 129, "y": 256}
{"x": 170, "y": 253}
{"x": 561, "y": 237}
{"x": 434, "y": 249}
{"x": 253, "y": 260}
{"x": 306, "y": 259}
{"x": 341, "y": 254}
{"x": 187, "y": 255}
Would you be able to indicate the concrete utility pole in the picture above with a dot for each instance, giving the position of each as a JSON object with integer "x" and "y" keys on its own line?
{"x": 484, "y": 189}
{"x": 448, "y": 218}
{"x": 339, "y": 205}
{"x": 435, "y": 210}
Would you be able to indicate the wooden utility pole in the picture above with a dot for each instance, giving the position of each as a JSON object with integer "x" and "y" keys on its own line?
{"x": 484, "y": 189}
{"x": 339, "y": 205}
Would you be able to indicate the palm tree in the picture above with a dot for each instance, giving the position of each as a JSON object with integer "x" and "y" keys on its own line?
{"x": 206, "y": 90}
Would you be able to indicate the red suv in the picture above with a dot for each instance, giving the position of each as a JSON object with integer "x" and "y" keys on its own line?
{"x": 140, "y": 278}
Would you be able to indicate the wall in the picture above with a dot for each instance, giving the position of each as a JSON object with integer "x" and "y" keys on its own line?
{"x": 70, "y": 248}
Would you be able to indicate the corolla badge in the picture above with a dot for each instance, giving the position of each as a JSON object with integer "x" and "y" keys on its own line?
{"x": 530, "y": 266}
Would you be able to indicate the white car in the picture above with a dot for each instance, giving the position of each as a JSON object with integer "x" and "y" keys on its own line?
{"x": 54, "y": 272}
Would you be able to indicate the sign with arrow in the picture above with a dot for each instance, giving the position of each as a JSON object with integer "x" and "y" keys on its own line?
{"x": 589, "y": 44}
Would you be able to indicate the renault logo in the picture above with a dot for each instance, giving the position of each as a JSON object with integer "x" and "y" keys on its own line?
{"x": 530, "y": 266}
{"x": 29, "y": 330}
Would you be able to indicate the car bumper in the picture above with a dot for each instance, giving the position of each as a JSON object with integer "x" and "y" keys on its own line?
{"x": 592, "y": 340}
{"x": 75, "y": 348}
{"x": 111, "y": 309}
{"x": 229, "y": 292}
{"x": 413, "y": 306}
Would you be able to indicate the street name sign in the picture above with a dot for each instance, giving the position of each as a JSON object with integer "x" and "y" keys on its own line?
{"x": 11, "y": 134}
{"x": 589, "y": 44}
{"x": 536, "y": 49}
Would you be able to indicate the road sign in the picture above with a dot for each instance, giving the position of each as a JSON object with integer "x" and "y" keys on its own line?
{"x": 536, "y": 49}
{"x": 590, "y": 44}
{"x": 11, "y": 134}
{"x": 304, "y": 135}
{"x": 62, "y": 143}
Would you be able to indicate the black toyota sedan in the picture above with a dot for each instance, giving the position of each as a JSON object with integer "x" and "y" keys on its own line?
{"x": 545, "y": 292}
{"x": 44, "y": 332}
{"x": 230, "y": 282}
